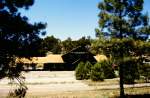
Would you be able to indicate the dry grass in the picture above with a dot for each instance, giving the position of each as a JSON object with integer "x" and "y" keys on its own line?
{"x": 106, "y": 82}
{"x": 90, "y": 94}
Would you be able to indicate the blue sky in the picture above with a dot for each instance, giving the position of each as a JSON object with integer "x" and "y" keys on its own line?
{"x": 68, "y": 18}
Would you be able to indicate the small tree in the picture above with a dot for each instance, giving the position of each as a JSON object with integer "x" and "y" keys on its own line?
{"x": 83, "y": 70}
{"x": 107, "y": 68}
{"x": 97, "y": 73}
{"x": 131, "y": 70}
{"x": 80, "y": 71}
{"x": 51, "y": 44}
{"x": 87, "y": 68}
{"x": 145, "y": 71}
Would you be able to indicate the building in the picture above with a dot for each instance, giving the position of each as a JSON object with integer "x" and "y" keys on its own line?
{"x": 67, "y": 61}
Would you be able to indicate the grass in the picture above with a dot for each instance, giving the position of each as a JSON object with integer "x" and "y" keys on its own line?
{"x": 113, "y": 93}
{"x": 132, "y": 92}
{"x": 106, "y": 82}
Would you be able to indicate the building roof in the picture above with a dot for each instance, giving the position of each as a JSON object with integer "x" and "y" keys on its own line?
{"x": 80, "y": 53}
{"x": 52, "y": 58}
{"x": 74, "y": 56}
{"x": 100, "y": 57}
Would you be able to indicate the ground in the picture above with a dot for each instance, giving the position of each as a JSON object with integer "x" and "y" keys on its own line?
{"x": 62, "y": 84}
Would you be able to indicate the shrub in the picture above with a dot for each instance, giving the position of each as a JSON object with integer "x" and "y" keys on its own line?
{"x": 97, "y": 73}
{"x": 87, "y": 69}
{"x": 83, "y": 70}
{"x": 79, "y": 71}
{"x": 145, "y": 71}
{"x": 131, "y": 71}
{"x": 108, "y": 70}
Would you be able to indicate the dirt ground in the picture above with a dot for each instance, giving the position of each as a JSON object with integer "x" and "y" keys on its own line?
{"x": 62, "y": 84}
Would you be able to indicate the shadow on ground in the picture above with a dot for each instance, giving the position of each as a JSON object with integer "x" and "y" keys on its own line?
{"x": 136, "y": 96}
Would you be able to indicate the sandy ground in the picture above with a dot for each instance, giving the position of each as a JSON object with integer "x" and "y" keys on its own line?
{"x": 47, "y": 82}
{"x": 44, "y": 82}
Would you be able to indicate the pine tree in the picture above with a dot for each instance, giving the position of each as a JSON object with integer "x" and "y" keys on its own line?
{"x": 18, "y": 38}
{"x": 123, "y": 19}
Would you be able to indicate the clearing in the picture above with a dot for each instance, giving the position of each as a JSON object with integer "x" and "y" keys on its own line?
{"x": 62, "y": 84}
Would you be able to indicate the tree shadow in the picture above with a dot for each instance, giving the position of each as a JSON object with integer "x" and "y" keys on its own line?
{"x": 136, "y": 96}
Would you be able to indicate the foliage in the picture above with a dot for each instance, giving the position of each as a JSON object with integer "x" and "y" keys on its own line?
{"x": 83, "y": 70}
{"x": 108, "y": 69}
{"x": 80, "y": 71}
{"x": 96, "y": 46}
{"x": 56, "y": 46}
{"x": 97, "y": 73}
{"x": 84, "y": 41}
{"x": 102, "y": 70}
{"x": 51, "y": 44}
{"x": 131, "y": 70}
{"x": 87, "y": 68}
{"x": 68, "y": 44}
{"x": 145, "y": 71}
{"x": 131, "y": 49}
{"x": 123, "y": 19}
{"x": 18, "y": 37}
{"x": 21, "y": 89}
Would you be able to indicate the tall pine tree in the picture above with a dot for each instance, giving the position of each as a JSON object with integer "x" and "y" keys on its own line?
{"x": 18, "y": 37}
{"x": 123, "y": 19}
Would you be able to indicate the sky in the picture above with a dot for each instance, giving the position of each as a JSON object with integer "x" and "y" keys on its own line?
{"x": 68, "y": 18}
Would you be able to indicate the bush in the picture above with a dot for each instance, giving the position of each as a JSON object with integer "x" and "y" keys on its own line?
{"x": 97, "y": 73}
{"x": 145, "y": 71}
{"x": 80, "y": 71}
{"x": 108, "y": 70}
{"x": 131, "y": 71}
{"x": 87, "y": 69}
{"x": 83, "y": 70}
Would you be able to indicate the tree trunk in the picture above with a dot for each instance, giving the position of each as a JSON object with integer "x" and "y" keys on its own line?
{"x": 121, "y": 71}
{"x": 121, "y": 81}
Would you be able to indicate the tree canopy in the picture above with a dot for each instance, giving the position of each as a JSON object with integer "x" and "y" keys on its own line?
{"x": 51, "y": 44}
{"x": 125, "y": 16}
{"x": 69, "y": 44}
{"x": 125, "y": 29}
{"x": 18, "y": 37}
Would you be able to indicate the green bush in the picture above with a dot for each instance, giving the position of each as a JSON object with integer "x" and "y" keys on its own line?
{"x": 131, "y": 71}
{"x": 97, "y": 73}
{"x": 83, "y": 70}
{"x": 145, "y": 71}
{"x": 79, "y": 71}
{"x": 108, "y": 70}
{"x": 87, "y": 69}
